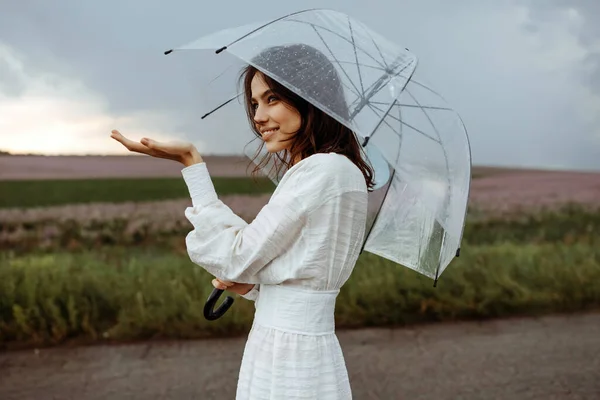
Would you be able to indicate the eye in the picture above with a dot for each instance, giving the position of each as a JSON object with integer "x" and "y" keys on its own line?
{"x": 272, "y": 98}
{"x": 254, "y": 105}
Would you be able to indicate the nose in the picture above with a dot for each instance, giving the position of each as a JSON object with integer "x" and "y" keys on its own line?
{"x": 260, "y": 116}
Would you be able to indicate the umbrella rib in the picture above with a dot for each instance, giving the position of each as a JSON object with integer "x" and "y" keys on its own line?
{"x": 426, "y": 87}
{"x": 315, "y": 26}
{"x": 363, "y": 65}
{"x": 440, "y": 142}
{"x": 421, "y": 132}
{"x": 267, "y": 24}
{"x": 387, "y": 189}
{"x": 427, "y": 116}
{"x": 399, "y": 72}
{"x": 378, "y": 49}
{"x": 391, "y": 180}
{"x": 356, "y": 58}
{"x": 431, "y": 122}
{"x": 411, "y": 127}
{"x": 334, "y": 57}
{"x": 399, "y": 119}
{"x": 338, "y": 35}
{"x": 371, "y": 87}
{"x": 408, "y": 125}
{"x": 415, "y": 106}
{"x": 399, "y": 134}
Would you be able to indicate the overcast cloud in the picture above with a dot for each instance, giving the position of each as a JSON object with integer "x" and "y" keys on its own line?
{"x": 523, "y": 74}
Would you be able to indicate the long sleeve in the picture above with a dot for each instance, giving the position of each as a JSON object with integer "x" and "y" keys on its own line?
{"x": 229, "y": 248}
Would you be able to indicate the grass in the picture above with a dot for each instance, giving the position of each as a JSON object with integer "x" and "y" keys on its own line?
{"x": 40, "y": 193}
{"x": 85, "y": 288}
{"x": 568, "y": 224}
{"x": 75, "y": 231}
{"x": 124, "y": 294}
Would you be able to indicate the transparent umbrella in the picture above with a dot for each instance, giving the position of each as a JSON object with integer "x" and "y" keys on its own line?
{"x": 416, "y": 143}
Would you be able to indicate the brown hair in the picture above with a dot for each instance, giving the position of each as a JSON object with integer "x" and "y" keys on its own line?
{"x": 319, "y": 132}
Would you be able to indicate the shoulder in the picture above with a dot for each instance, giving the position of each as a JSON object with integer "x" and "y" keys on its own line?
{"x": 324, "y": 175}
{"x": 332, "y": 161}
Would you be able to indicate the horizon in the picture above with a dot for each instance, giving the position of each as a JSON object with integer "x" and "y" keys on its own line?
{"x": 521, "y": 74}
{"x": 4, "y": 153}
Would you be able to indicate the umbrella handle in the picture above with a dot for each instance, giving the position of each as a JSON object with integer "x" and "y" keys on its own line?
{"x": 209, "y": 312}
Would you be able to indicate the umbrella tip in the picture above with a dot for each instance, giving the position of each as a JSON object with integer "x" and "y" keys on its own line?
{"x": 458, "y": 252}
{"x": 168, "y": 52}
{"x": 221, "y": 49}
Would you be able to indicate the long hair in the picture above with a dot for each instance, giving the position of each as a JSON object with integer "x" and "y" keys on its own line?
{"x": 319, "y": 132}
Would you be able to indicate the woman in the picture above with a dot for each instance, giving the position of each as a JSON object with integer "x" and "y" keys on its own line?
{"x": 302, "y": 247}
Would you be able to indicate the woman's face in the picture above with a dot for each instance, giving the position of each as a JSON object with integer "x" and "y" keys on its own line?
{"x": 274, "y": 119}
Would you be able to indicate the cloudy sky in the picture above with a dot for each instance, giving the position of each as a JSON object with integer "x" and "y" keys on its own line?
{"x": 523, "y": 74}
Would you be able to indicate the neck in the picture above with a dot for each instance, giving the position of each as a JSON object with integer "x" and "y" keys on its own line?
{"x": 297, "y": 159}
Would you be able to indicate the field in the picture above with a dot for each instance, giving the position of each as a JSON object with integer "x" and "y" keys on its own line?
{"x": 28, "y": 181}
{"x": 114, "y": 267}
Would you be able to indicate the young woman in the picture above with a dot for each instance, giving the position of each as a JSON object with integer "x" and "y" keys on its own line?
{"x": 295, "y": 256}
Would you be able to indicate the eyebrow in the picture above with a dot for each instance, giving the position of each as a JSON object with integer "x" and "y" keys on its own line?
{"x": 265, "y": 94}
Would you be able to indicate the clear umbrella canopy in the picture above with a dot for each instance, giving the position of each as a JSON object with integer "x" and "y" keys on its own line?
{"x": 416, "y": 143}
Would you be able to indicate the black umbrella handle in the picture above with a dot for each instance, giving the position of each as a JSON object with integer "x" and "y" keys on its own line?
{"x": 209, "y": 312}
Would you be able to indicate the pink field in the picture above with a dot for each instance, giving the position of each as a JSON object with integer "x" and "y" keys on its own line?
{"x": 494, "y": 188}
{"x": 504, "y": 191}
{"x": 77, "y": 167}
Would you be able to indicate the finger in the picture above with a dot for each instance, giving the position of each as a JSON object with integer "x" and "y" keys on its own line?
{"x": 129, "y": 144}
{"x": 226, "y": 283}
{"x": 173, "y": 147}
{"x": 218, "y": 285}
{"x": 139, "y": 147}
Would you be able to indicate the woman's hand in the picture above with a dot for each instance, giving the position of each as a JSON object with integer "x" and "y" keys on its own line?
{"x": 239, "y": 288}
{"x": 185, "y": 153}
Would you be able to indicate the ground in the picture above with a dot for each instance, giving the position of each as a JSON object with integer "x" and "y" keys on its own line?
{"x": 555, "y": 357}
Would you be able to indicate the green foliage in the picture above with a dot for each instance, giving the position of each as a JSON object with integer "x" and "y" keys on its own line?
{"x": 127, "y": 293}
{"x": 568, "y": 224}
{"x": 78, "y": 230}
{"x": 39, "y": 193}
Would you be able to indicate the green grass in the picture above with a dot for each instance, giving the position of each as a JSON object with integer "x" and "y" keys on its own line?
{"x": 127, "y": 293}
{"x": 568, "y": 224}
{"x": 39, "y": 193}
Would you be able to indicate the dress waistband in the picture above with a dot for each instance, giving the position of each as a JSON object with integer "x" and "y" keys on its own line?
{"x": 296, "y": 310}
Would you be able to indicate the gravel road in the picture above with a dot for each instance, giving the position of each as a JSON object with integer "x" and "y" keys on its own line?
{"x": 556, "y": 357}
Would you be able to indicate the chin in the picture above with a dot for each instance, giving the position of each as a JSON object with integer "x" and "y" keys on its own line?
{"x": 273, "y": 147}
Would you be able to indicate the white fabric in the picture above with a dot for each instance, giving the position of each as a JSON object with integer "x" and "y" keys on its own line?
{"x": 299, "y": 250}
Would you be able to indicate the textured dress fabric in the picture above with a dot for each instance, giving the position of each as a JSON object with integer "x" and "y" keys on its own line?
{"x": 298, "y": 251}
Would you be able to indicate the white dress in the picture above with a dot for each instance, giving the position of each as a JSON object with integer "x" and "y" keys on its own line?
{"x": 299, "y": 251}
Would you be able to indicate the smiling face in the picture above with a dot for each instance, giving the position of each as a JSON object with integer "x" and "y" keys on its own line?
{"x": 276, "y": 121}
{"x": 291, "y": 127}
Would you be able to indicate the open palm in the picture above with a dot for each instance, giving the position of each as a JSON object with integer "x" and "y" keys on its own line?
{"x": 183, "y": 152}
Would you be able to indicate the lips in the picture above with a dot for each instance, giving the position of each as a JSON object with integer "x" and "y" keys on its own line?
{"x": 267, "y": 133}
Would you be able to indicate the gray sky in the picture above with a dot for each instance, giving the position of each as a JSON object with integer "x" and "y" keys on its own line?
{"x": 523, "y": 74}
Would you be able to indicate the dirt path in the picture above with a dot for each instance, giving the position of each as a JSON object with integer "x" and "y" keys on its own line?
{"x": 554, "y": 357}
